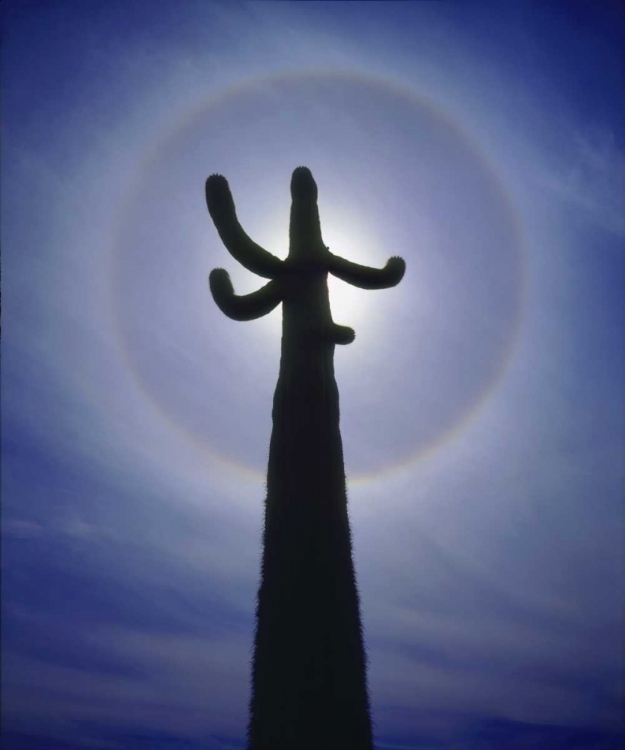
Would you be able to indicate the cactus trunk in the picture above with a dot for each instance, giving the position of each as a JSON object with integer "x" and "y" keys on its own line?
{"x": 309, "y": 686}
{"x": 309, "y": 673}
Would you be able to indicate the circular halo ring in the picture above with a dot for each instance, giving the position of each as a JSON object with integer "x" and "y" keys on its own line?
{"x": 226, "y": 95}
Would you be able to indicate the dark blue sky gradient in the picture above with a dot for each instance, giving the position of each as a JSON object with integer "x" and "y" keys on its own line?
{"x": 486, "y": 467}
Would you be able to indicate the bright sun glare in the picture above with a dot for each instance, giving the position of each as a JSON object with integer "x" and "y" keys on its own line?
{"x": 340, "y": 233}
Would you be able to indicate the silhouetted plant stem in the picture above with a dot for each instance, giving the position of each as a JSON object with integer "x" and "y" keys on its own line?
{"x": 309, "y": 687}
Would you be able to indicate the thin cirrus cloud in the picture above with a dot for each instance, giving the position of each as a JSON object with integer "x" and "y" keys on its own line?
{"x": 484, "y": 469}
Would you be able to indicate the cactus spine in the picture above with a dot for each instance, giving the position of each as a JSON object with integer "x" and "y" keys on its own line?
{"x": 309, "y": 686}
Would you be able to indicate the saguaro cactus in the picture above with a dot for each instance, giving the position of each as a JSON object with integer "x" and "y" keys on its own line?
{"x": 309, "y": 685}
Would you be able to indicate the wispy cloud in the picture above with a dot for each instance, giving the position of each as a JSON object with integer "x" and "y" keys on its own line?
{"x": 182, "y": 684}
{"x": 592, "y": 176}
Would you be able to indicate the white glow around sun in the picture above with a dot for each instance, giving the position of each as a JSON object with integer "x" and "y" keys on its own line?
{"x": 350, "y": 305}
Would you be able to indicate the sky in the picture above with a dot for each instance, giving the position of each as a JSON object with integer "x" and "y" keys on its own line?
{"x": 482, "y": 402}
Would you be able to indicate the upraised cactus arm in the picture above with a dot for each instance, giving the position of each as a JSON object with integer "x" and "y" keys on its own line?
{"x": 246, "y": 306}
{"x": 239, "y": 245}
{"x": 365, "y": 277}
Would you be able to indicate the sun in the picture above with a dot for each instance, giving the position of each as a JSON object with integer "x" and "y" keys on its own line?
{"x": 344, "y": 237}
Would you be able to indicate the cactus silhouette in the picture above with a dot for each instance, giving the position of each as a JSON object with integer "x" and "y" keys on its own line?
{"x": 309, "y": 686}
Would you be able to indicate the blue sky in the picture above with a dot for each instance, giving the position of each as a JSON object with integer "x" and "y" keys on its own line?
{"x": 484, "y": 143}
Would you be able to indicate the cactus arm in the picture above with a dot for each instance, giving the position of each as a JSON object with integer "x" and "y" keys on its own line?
{"x": 246, "y": 306}
{"x": 343, "y": 334}
{"x": 223, "y": 213}
{"x": 332, "y": 334}
{"x": 365, "y": 277}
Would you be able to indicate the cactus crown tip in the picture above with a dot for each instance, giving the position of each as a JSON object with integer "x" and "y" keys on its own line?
{"x": 303, "y": 183}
